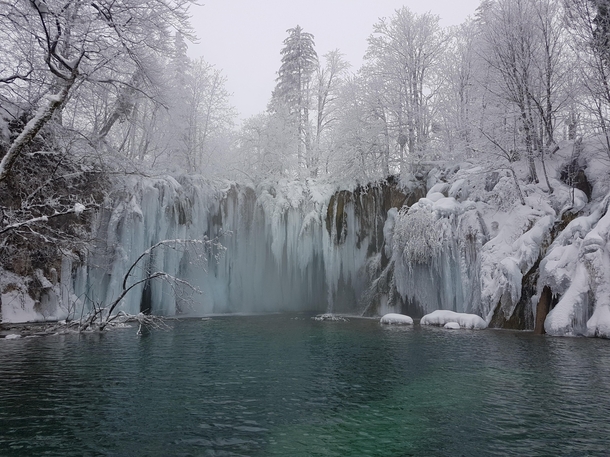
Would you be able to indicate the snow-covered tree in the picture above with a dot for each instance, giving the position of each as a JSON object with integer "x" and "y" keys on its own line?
{"x": 589, "y": 25}
{"x": 403, "y": 54}
{"x": 75, "y": 47}
{"x": 329, "y": 79}
{"x": 523, "y": 46}
{"x": 70, "y": 73}
{"x": 293, "y": 90}
{"x": 360, "y": 147}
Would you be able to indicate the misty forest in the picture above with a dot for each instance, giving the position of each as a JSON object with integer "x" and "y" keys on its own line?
{"x": 322, "y": 278}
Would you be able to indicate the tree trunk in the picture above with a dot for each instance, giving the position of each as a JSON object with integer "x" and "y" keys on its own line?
{"x": 42, "y": 116}
{"x": 519, "y": 192}
{"x": 542, "y": 310}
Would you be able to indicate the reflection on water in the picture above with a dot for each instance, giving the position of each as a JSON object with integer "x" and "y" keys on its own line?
{"x": 286, "y": 386}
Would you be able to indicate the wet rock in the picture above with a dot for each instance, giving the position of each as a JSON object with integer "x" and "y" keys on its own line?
{"x": 574, "y": 175}
{"x": 491, "y": 180}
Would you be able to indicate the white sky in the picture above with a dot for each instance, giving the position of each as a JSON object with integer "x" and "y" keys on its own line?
{"x": 243, "y": 38}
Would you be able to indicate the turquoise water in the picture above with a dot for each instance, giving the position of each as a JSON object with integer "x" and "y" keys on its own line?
{"x": 289, "y": 386}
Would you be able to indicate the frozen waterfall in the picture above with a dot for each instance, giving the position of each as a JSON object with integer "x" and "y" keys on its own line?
{"x": 285, "y": 246}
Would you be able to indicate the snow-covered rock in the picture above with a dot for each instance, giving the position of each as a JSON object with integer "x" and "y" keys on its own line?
{"x": 441, "y": 188}
{"x": 434, "y": 196}
{"x": 577, "y": 269}
{"x": 396, "y": 319}
{"x": 452, "y": 326}
{"x": 464, "y": 320}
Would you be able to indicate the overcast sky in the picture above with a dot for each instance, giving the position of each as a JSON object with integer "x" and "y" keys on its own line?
{"x": 243, "y": 38}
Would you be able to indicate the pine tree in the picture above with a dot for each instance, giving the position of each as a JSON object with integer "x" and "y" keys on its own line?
{"x": 299, "y": 62}
{"x": 601, "y": 33}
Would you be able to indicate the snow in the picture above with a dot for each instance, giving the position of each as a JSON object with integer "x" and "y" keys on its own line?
{"x": 577, "y": 268}
{"x": 434, "y": 196}
{"x": 441, "y": 187}
{"x": 599, "y": 323}
{"x": 19, "y": 306}
{"x": 463, "y": 320}
{"x": 12, "y": 336}
{"x": 447, "y": 206}
{"x": 396, "y": 319}
{"x": 79, "y": 208}
{"x": 452, "y": 326}
{"x": 459, "y": 190}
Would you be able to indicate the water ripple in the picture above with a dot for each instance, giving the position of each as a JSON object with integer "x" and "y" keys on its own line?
{"x": 273, "y": 385}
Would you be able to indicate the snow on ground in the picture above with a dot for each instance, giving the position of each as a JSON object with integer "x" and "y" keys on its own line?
{"x": 396, "y": 319}
{"x": 463, "y": 320}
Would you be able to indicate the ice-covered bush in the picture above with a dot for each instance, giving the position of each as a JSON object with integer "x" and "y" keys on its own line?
{"x": 418, "y": 235}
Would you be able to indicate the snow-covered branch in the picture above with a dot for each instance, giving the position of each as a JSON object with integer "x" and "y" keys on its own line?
{"x": 105, "y": 314}
{"x": 77, "y": 209}
{"x": 43, "y": 115}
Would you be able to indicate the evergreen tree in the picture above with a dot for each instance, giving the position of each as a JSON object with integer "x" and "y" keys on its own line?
{"x": 299, "y": 63}
{"x": 601, "y": 32}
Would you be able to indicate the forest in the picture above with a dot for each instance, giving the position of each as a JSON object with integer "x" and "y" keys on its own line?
{"x": 93, "y": 93}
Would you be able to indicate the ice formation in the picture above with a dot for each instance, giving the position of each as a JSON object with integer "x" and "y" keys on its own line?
{"x": 282, "y": 246}
{"x": 577, "y": 269}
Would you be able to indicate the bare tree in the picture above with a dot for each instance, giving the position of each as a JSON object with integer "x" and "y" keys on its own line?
{"x": 76, "y": 44}
{"x": 101, "y": 315}
{"x": 328, "y": 80}
{"x": 404, "y": 52}
{"x": 588, "y": 24}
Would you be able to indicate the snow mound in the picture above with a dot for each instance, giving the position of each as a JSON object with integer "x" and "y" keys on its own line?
{"x": 441, "y": 188}
{"x": 434, "y": 196}
{"x": 452, "y": 326}
{"x": 79, "y": 208}
{"x": 443, "y": 317}
{"x": 396, "y": 319}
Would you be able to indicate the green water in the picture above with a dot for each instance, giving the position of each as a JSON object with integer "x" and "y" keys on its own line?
{"x": 289, "y": 386}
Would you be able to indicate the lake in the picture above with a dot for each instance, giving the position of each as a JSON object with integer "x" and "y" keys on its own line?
{"x": 287, "y": 385}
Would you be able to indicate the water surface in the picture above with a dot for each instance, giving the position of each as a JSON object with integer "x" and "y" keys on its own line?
{"x": 286, "y": 385}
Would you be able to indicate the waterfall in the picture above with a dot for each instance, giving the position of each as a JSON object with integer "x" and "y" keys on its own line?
{"x": 281, "y": 246}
